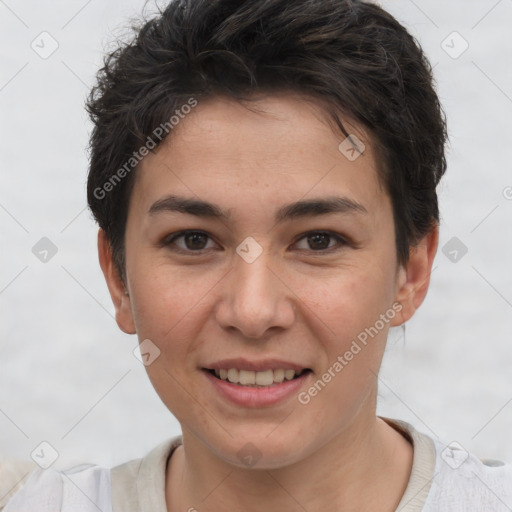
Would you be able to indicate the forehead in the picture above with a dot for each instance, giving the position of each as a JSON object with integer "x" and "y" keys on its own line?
{"x": 278, "y": 127}
{"x": 270, "y": 147}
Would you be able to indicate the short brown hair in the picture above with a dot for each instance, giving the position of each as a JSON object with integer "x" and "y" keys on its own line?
{"x": 353, "y": 55}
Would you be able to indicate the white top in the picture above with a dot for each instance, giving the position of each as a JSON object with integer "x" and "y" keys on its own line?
{"x": 443, "y": 479}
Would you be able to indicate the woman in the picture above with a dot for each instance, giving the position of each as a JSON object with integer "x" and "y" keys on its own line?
{"x": 264, "y": 177}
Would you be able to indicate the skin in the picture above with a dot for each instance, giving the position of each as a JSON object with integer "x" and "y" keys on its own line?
{"x": 293, "y": 302}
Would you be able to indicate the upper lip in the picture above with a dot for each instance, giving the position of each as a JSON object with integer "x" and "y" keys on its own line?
{"x": 255, "y": 366}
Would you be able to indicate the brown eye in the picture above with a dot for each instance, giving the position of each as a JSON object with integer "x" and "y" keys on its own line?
{"x": 320, "y": 241}
{"x": 193, "y": 241}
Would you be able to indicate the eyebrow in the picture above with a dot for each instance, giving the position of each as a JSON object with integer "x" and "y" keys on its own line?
{"x": 299, "y": 209}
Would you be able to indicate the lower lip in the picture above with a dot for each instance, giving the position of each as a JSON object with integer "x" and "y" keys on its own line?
{"x": 246, "y": 396}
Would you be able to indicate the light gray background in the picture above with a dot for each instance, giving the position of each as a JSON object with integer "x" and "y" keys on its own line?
{"x": 68, "y": 375}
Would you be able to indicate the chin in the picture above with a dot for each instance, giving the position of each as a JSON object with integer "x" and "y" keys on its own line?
{"x": 259, "y": 448}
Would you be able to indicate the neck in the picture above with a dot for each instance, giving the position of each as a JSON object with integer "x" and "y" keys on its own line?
{"x": 360, "y": 469}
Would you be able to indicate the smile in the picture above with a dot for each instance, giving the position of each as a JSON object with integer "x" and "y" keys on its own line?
{"x": 256, "y": 385}
{"x": 250, "y": 378}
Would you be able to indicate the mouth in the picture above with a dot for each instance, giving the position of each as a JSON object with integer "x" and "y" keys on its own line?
{"x": 256, "y": 384}
{"x": 257, "y": 379}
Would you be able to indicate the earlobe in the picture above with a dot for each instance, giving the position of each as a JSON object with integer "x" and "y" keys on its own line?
{"x": 116, "y": 287}
{"x": 414, "y": 279}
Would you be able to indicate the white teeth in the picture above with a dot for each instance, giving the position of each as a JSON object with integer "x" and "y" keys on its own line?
{"x": 265, "y": 378}
{"x": 278, "y": 375}
{"x": 289, "y": 374}
{"x": 233, "y": 375}
{"x": 251, "y": 378}
{"x": 246, "y": 377}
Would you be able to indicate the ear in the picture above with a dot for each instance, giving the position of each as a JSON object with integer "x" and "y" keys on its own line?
{"x": 414, "y": 279}
{"x": 115, "y": 284}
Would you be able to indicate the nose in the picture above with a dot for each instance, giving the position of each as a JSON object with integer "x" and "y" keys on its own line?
{"x": 255, "y": 298}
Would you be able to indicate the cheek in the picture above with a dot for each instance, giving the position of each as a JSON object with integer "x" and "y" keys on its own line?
{"x": 162, "y": 299}
{"x": 358, "y": 310}
{"x": 350, "y": 300}
{"x": 166, "y": 309}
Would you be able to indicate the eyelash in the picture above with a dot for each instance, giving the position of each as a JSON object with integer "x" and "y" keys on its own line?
{"x": 170, "y": 240}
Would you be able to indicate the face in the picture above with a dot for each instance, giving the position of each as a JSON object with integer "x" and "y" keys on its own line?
{"x": 256, "y": 248}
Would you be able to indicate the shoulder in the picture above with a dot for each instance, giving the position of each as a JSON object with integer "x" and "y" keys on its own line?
{"x": 447, "y": 478}
{"x": 13, "y": 475}
{"x": 462, "y": 481}
{"x": 133, "y": 486}
{"x": 140, "y": 484}
{"x": 85, "y": 488}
